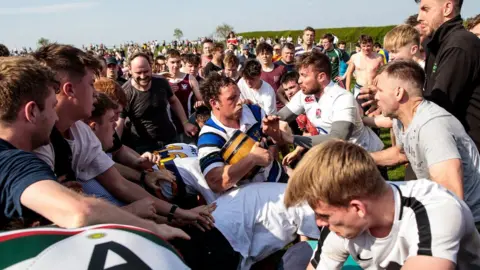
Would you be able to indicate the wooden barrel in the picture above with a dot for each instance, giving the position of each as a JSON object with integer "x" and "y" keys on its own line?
{"x": 236, "y": 149}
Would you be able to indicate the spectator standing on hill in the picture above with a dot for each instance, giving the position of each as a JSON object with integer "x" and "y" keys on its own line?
{"x": 271, "y": 73}
{"x": 216, "y": 64}
{"x": 245, "y": 55}
{"x": 4, "y": 51}
{"x": 336, "y": 56}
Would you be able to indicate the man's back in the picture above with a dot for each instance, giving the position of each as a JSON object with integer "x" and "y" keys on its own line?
{"x": 453, "y": 74}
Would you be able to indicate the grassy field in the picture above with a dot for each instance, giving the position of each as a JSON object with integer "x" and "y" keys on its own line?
{"x": 394, "y": 173}
{"x": 347, "y": 34}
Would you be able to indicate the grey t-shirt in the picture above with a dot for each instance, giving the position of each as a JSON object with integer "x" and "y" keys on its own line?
{"x": 435, "y": 135}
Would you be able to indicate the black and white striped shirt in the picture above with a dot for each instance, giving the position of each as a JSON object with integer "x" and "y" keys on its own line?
{"x": 429, "y": 221}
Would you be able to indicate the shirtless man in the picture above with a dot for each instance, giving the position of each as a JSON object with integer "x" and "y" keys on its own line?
{"x": 183, "y": 85}
{"x": 365, "y": 64}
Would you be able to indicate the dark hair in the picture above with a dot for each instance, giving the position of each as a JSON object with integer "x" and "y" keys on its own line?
{"x": 172, "y": 53}
{"x": 342, "y": 43}
{"x": 412, "y": 20}
{"x": 22, "y": 80}
{"x": 357, "y": 44}
{"x": 365, "y": 39}
{"x": 218, "y": 47}
{"x": 291, "y": 76}
{"x": 140, "y": 54}
{"x": 319, "y": 61}
{"x": 112, "y": 89}
{"x": 405, "y": 70}
{"x": 4, "y": 51}
{"x": 160, "y": 57}
{"x": 470, "y": 23}
{"x": 193, "y": 59}
{"x": 210, "y": 88}
{"x": 310, "y": 29}
{"x": 252, "y": 69}
{"x": 231, "y": 60}
{"x": 68, "y": 59}
{"x": 458, "y": 5}
{"x": 207, "y": 41}
{"x": 264, "y": 47}
{"x": 378, "y": 45}
{"x": 102, "y": 104}
{"x": 289, "y": 46}
{"x": 202, "y": 113}
{"x": 329, "y": 37}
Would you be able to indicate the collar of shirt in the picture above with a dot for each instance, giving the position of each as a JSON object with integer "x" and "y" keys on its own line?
{"x": 443, "y": 32}
{"x": 246, "y": 121}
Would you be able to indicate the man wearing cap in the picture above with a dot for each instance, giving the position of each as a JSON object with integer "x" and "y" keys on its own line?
{"x": 245, "y": 55}
{"x": 112, "y": 70}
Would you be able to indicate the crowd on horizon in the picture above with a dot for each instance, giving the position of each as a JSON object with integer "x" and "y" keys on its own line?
{"x": 245, "y": 153}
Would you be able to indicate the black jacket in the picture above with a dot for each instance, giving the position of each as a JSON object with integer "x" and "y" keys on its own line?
{"x": 453, "y": 74}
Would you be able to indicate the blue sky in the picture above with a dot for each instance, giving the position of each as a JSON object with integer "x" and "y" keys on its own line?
{"x": 113, "y": 22}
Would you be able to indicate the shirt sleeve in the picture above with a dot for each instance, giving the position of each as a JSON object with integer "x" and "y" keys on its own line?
{"x": 437, "y": 143}
{"x": 47, "y": 154}
{"x": 441, "y": 238}
{"x": 21, "y": 170}
{"x": 345, "y": 108}
{"x": 330, "y": 252}
{"x": 98, "y": 161}
{"x": 307, "y": 225}
{"x": 209, "y": 147}
{"x": 396, "y": 126}
{"x": 270, "y": 101}
{"x": 126, "y": 111}
{"x": 295, "y": 105}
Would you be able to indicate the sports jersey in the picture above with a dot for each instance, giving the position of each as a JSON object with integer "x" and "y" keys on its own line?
{"x": 176, "y": 150}
{"x": 335, "y": 104}
{"x": 428, "y": 221}
{"x": 184, "y": 94}
{"x": 336, "y": 56}
{"x": 256, "y": 223}
{"x": 107, "y": 246}
{"x": 299, "y": 50}
{"x": 214, "y": 135}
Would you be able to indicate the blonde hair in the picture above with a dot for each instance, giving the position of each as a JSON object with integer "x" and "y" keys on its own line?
{"x": 335, "y": 172}
{"x": 400, "y": 36}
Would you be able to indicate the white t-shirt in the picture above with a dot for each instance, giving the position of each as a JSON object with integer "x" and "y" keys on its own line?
{"x": 254, "y": 220}
{"x": 88, "y": 158}
{"x": 336, "y": 104}
{"x": 192, "y": 177}
{"x": 429, "y": 221}
{"x": 265, "y": 97}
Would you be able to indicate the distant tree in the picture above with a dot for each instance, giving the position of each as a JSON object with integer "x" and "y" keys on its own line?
{"x": 223, "y": 30}
{"x": 177, "y": 33}
{"x": 43, "y": 42}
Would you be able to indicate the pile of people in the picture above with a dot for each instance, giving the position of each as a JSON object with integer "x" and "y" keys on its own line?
{"x": 270, "y": 159}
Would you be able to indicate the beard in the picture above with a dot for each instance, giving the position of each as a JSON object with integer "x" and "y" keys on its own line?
{"x": 316, "y": 89}
{"x": 143, "y": 82}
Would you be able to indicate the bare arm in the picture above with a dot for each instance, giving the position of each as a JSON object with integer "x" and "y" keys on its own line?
{"x": 128, "y": 157}
{"x": 449, "y": 174}
{"x": 196, "y": 88}
{"x": 428, "y": 262}
{"x": 120, "y": 126}
{"x": 349, "y": 73}
{"x": 68, "y": 209}
{"x": 128, "y": 173}
{"x": 390, "y": 157}
{"x": 223, "y": 178}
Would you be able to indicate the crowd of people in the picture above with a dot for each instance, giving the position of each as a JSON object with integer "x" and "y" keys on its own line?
{"x": 134, "y": 154}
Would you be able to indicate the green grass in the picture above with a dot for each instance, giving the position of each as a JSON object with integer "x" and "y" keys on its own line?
{"x": 394, "y": 173}
{"x": 347, "y": 34}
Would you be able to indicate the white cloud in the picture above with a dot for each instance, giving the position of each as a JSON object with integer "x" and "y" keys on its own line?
{"x": 47, "y": 8}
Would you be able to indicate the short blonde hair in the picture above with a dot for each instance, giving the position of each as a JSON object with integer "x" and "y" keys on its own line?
{"x": 335, "y": 172}
{"x": 400, "y": 36}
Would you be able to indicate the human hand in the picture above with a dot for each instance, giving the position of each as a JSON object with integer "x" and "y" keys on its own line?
{"x": 190, "y": 130}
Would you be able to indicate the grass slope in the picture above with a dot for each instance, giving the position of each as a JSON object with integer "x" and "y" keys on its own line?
{"x": 347, "y": 34}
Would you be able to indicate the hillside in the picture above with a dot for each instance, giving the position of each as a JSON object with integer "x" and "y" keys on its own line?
{"x": 347, "y": 34}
